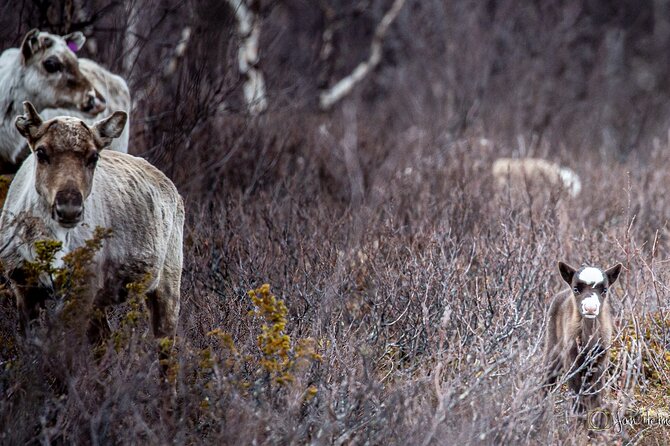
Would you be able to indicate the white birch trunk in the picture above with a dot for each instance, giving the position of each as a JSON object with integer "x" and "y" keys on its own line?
{"x": 131, "y": 48}
{"x": 249, "y": 30}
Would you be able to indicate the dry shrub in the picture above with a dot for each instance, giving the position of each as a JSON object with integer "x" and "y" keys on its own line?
{"x": 425, "y": 300}
{"x": 423, "y": 289}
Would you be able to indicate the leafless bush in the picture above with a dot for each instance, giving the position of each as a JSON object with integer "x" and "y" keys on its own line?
{"x": 423, "y": 288}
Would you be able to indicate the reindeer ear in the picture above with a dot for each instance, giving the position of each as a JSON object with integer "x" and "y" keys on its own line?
{"x": 567, "y": 272}
{"x": 109, "y": 128}
{"x": 31, "y": 44}
{"x": 29, "y": 123}
{"x": 75, "y": 41}
{"x": 613, "y": 273}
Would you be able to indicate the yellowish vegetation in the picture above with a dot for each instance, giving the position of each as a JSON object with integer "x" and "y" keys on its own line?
{"x": 652, "y": 395}
{"x": 647, "y": 342}
{"x": 71, "y": 279}
{"x": 278, "y": 362}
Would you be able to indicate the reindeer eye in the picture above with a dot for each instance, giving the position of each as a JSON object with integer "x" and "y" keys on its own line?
{"x": 604, "y": 290}
{"x": 41, "y": 155}
{"x": 576, "y": 290}
{"x": 52, "y": 65}
{"x": 93, "y": 159}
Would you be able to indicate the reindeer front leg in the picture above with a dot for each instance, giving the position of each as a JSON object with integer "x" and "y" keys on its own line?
{"x": 596, "y": 380}
{"x": 98, "y": 326}
{"x": 553, "y": 364}
{"x": 573, "y": 362}
{"x": 29, "y": 297}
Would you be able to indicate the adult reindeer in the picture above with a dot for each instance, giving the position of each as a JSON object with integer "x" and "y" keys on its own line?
{"x": 66, "y": 188}
{"x": 46, "y": 72}
{"x": 520, "y": 173}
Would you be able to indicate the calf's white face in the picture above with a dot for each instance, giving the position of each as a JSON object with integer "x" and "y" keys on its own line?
{"x": 589, "y": 286}
{"x": 591, "y": 305}
{"x": 593, "y": 279}
{"x": 66, "y": 152}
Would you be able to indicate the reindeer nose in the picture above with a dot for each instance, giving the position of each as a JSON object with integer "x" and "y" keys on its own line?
{"x": 94, "y": 103}
{"x": 68, "y": 207}
{"x": 591, "y": 306}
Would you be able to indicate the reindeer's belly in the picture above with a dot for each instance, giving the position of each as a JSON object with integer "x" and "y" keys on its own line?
{"x": 117, "y": 276}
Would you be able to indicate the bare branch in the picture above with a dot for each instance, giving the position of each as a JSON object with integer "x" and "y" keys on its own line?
{"x": 342, "y": 88}
{"x": 131, "y": 41}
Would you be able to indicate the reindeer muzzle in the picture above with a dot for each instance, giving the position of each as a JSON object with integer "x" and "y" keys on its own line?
{"x": 68, "y": 208}
{"x": 591, "y": 307}
{"x": 95, "y": 103}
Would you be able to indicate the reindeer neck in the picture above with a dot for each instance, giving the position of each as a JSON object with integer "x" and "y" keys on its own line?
{"x": 12, "y": 95}
{"x": 589, "y": 334}
{"x": 11, "y": 77}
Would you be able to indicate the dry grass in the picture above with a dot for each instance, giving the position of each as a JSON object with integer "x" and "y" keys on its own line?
{"x": 414, "y": 294}
{"x": 424, "y": 299}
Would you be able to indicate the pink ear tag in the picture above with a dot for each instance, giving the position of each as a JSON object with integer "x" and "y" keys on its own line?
{"x": 72, "y": 46}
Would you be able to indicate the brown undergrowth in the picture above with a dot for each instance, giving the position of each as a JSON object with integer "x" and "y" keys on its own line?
{"x": 408, "y": 296}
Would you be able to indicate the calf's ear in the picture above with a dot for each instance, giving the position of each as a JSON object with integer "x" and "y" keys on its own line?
{"x": 109, "y": 128}
{"x": 31, "y": 44}
{"x": 613, "y": 273}
{"x": 29, "y": 123}
{"x": 75, "y": 41}
{"x": 567, "y": 272}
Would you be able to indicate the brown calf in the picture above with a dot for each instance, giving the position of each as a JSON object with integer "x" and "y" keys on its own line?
{"x": 579, "y": 333}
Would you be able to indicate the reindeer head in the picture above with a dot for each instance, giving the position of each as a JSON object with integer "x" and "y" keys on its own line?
{"x": 52, "y": 78}
{"x": 589, "y": 286}
{"x": 66, "y": 152}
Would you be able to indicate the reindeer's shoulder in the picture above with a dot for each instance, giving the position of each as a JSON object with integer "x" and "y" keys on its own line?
{"x": 9, "y": 54}
{"x": 561, "y": 299}
{"x": 118, "y": 168}
{"x": 114, "y": 85}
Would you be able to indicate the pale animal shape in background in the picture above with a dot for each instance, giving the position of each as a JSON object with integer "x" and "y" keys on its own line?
{"x": 539, "y": 189}
{"x": 515, "y": 173}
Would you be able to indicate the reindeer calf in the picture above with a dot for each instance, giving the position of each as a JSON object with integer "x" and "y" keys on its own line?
{"x": 579, "y": 333}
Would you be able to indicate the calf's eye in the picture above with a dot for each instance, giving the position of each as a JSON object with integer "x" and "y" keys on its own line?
{"x": 42, "y": 156}
{"x": 576, "y": 290}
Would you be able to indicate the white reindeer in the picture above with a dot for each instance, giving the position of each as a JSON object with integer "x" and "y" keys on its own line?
{"x": 46, "y": 72}
{"x": 516, "y": 172}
